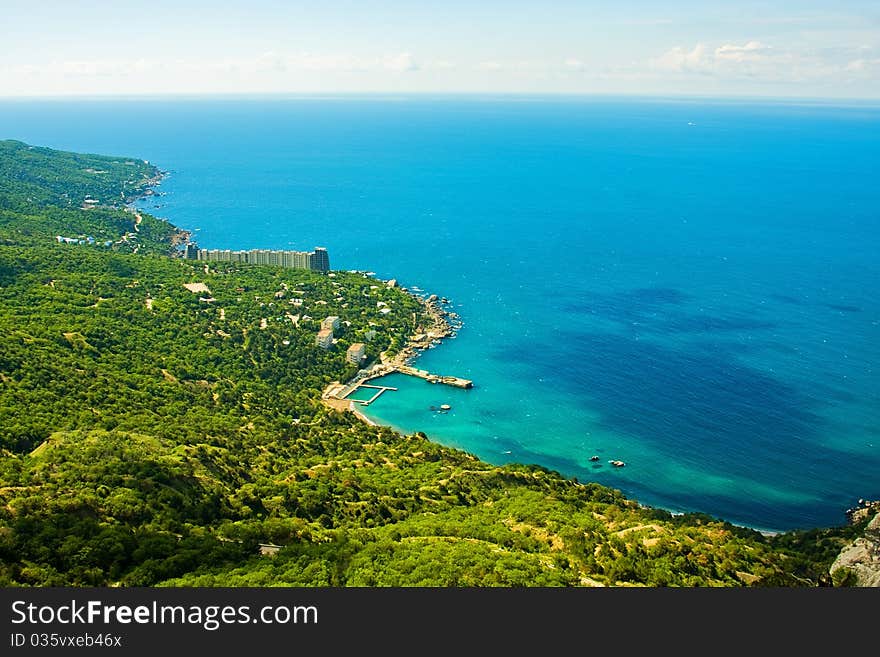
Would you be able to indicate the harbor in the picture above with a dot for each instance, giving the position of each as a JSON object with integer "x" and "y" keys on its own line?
{"x": 344, "y": 391}
{"x": 379, "y": 390}
{"x": 439, "y": 324}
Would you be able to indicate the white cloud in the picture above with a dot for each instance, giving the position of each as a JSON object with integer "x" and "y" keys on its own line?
{"x": 84, "y": 68}
{"x": 400, "y": 62}
{"x": 762, "y": 63}
{"x": 439, "y": 65}
{"x": 864, "y": 67}
{"x": 751, "y": 52}
{"x": 270, "y": 61}
{"x": 490, "y": 66}
{"x": 857, "y": 65}
{"x": 752, "y": 59}
{"x": 680, "y": 59}
{"x": 647, "y": 21}
{"x": 739, "y": 65}
{"x": 328, "y": 63}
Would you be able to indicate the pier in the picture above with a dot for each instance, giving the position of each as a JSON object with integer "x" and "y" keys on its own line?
{"x": 342, "y": 391}
{"x": 379, "y": 390}
{"x": 435, "y": 378}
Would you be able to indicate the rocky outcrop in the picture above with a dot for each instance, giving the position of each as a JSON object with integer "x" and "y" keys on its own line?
{"x": 860, "y": 559}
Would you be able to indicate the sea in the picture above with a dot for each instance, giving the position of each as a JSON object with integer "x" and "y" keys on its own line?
{"x": 686, "y": 285}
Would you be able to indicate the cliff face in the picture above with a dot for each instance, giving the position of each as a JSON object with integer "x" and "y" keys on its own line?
{"x": 862, "y": 557}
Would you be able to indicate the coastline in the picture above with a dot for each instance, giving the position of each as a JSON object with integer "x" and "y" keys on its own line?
{"x": 417, "y": 465}
{"x": 179, "y": 236}
{"x": 444, "y": 328}
{"x": 436, "y": 324}
{"x": 363, "y": 418}
{"x": 440, "y": 324}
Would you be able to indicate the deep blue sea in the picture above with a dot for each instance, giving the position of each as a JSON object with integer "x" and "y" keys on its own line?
{"x": 689, "y": 286}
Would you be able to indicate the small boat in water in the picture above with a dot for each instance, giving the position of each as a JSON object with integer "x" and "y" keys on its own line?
{"x": 617, "y": 464}
{"x": 594, "y": 458}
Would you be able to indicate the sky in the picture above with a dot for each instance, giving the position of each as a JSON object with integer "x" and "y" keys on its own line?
{"x": 748, "y": 48}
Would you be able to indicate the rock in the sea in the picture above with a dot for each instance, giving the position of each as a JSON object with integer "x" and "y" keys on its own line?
{"x": 862, "y": 557}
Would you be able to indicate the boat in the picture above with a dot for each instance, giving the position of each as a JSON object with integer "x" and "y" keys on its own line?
{"x": 445, "y": 407}
{"x": 617, "y": 464}
{"x": 594, "y": 458}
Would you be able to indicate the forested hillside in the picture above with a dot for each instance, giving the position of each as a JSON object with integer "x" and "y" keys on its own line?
{"x": 156, "y": 435}
{"x": 43, "y": 193}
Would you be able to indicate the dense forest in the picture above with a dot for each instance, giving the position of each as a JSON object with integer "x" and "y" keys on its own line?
{"x": 155, "y": 436}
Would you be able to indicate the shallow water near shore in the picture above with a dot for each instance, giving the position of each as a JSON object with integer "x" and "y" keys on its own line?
{"x": 688, "y": 287}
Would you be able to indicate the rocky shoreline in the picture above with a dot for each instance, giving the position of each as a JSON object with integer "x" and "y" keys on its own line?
{"x": 435, "y": 324}
{"x": 863, "y": 509}
{"x": 858, "y": 564}
{"x": 438, "y": 323}
{"x": 180, "y": 237}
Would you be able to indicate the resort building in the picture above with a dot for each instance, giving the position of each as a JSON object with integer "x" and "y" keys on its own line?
{"x": 356, "y": 353}
{"x": 324, "y": 338}
{"x": 319, "y": 259}
{"x": 316, "y": 260}
{"x": 331, "y": 323}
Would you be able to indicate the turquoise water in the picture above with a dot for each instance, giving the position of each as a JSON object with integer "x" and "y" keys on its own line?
{"x": 689, "y": 287}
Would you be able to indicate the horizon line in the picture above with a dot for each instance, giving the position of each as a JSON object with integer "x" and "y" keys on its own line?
{"x": 481, "y": 95}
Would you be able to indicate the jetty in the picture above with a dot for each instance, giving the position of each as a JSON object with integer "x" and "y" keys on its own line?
{"x": 435, "y": 378}
{"x": 439, "y": 324}
{"x": 379, "y": 390}
{"x": 343, "y": 391}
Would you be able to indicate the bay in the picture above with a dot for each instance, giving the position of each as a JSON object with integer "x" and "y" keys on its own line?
{"x": 689, "y": 286}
